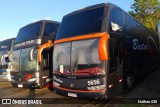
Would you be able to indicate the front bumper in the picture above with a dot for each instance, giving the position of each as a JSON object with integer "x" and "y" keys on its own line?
{"x": 80, "y": 93}
{"x": 25, "y": 84}
{"x": 5, "y": 77}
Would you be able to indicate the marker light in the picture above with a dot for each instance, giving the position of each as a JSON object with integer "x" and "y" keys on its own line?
{"x": 98, "y": 87}
{"x": 32, "y": 79}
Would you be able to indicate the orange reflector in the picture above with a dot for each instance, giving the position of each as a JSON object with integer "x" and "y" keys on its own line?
{"x": 49, "y": 85}
{"x": 102, "y": 47}
{"x": 42, "y": 47}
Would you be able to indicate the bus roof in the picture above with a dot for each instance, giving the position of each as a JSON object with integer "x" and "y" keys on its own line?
{"x": 92, "y": 7}
{"x": 7, "y": 39}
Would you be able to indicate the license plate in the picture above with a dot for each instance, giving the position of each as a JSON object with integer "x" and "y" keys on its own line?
{"x": 72, "y": 94}
{"x": 20, "y": 85}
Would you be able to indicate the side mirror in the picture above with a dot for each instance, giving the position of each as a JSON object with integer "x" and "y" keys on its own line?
{"x": 103, "y": 47}
{"x": 30, "y": 57}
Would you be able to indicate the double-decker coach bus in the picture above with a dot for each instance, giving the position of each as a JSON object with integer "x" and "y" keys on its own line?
{"x": 32, "y": 54}
{"x": 98, "y": 49}
{"x": 6, "y": 47}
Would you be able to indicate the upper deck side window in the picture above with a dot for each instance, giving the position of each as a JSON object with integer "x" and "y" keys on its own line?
{"x": 81, "y": 23}
{"x": 50, "y": 29}
{"x": 116, "y": 20}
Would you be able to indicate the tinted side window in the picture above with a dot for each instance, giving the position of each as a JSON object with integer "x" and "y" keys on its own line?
{"x": 130, "y": 25}
{"x": 50, "y": 29}
{"x": 116, "y": 23}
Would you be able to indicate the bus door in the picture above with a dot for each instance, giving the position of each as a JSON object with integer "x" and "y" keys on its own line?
{"x": 45, "y": 68}
{"x": 115, "y": 75}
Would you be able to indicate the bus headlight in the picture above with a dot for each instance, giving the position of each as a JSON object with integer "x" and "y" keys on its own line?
{"x": 32, "y": 79}
{"x": 98, "y": 87}
{"x": 56, "y": 83}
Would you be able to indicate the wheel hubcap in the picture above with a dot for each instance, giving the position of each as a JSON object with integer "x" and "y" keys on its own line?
{"x": 129, "y": 81}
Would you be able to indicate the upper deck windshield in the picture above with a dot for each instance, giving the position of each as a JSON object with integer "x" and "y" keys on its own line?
{"x": 29, "y": 32}
{"x": 85, "y": 22}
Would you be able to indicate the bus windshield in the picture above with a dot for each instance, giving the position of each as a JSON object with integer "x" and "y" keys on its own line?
{"x": 29, "y": 32}
{"x": 86, "y": 22}
{"x": 83, "y": 59}
{"x": 5, "y": 45}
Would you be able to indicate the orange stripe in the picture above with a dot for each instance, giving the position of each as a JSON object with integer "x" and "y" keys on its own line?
{"x": 95, "y": 35}
{"x": 41, "y": 48}
{"x": 78, "y": 90}
{"x": 49, "y": 85}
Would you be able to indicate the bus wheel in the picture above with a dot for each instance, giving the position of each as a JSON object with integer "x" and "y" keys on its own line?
{"x": 129, "y": 83}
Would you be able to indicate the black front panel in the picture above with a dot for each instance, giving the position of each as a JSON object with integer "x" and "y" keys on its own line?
{"x": 22, "y": 76}
{"x": 78, "y": 84}
{"x": 25, "y": 79}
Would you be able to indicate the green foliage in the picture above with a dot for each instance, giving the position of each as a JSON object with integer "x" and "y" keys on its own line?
{"x": 147, "y": 12}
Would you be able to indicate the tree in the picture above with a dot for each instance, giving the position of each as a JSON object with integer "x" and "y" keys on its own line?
{"x": 147, "y": 12}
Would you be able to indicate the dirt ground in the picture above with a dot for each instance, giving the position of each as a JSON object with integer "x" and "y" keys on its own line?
{"x": 149, "y": 87}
